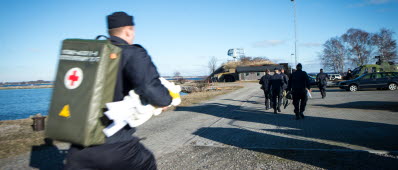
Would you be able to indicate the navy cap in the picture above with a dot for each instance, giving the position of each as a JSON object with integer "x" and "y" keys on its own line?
{"x": 299, "y": 65}
{"x": 119, "y": 19}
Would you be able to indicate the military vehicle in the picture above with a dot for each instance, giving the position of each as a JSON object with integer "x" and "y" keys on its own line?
{"x": 380, "y": 66}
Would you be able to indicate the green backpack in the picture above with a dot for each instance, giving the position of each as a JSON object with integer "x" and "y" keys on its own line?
{"x": 85, "y": 81}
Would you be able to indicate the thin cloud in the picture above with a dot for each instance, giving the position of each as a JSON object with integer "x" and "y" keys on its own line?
{"x": 378, "y": 1}
{"x": 268, "y": 43}
{"x": 311, "y": 44}
{"x": 384, "y": 10}
{"x": 373, "y": 2}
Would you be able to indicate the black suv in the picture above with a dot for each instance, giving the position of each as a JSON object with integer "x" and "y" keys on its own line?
{"x": 381, "y": 80}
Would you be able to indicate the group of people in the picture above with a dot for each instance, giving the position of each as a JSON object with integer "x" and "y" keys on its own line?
{"x": 274, "y": 87}
{"x": 279, "y": 86}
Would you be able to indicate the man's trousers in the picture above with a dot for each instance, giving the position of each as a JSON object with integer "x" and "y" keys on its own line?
{"x": 276, "y": 99}
{"x": 268, "y": 102}
{"x": 299, "y": 100}
{"x": 121, "y": 155}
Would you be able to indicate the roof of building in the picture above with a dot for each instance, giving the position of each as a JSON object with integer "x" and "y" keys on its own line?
{"x": 257, "y": 68}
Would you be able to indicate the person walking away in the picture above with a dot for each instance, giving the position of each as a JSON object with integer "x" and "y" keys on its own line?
{"x": 136, "y": 71}
{"x": 264, "y": 81}
{"x": 322, "y": 80}
{"x": 349, "y": 75}
{"x": 275, "y": 86}
{"x": 299, "y": 85}
{"x": 285, "y": 81}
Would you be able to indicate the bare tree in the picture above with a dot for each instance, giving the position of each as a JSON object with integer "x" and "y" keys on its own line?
{"x": 177, "y": 74}
{"x": 212, "y": 64}
{"x": 334, "y": 54}
{"x": 359, "y": 44}
{"x": 386, "y": 46}
{"x": 260, "y": 59}
{"x": 178, "y": 77}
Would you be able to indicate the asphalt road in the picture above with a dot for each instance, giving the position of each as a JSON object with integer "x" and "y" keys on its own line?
{"x": 344, "y": 131}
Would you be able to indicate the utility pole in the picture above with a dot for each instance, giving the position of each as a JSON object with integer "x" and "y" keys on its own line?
{"x": 295, "y": 32}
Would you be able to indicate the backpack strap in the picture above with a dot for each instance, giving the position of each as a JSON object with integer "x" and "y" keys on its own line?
{"x": 99, "y": 36}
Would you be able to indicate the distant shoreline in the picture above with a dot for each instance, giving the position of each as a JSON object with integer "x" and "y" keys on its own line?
{"x": 27, "y": 87}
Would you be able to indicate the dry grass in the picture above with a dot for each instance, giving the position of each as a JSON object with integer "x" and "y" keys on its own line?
{"x": 17, "y": 136}
{"x": 198, "y": 97}
{"x": 234, "y": 64}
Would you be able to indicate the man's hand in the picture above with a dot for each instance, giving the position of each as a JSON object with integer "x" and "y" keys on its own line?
{"x": 165, "y": 108}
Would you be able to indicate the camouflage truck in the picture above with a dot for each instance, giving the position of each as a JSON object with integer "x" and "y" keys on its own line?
{"x": 380, "y": 66}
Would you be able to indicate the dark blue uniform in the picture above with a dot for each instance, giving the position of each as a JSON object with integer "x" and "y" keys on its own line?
{"x": 285, "y": 80}
{"x": 123, "y": 150}
{"x": 322, "y": 80}
{"x": 264, "y": 81}
{"x": 275, "y": 86}
{"x": 298, "y": 85}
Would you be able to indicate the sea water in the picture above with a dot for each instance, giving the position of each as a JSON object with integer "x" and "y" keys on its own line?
{"x": 22, "y": 103}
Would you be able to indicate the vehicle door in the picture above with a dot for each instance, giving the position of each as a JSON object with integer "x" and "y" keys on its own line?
{"x": 381, "y": 80}
{"x": 393, "y": 77}
{"x": 367, "y": 81}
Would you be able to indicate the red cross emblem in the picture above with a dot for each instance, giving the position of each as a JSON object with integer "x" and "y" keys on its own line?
{"x": 73, "y": 78}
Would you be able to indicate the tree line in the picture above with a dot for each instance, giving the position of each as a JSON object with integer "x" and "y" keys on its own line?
{"x": 357, "y": 47}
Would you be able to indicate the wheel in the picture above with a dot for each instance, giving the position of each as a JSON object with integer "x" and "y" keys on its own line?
{"x": 353, "y": 88}
{"x": 392, "y": 86}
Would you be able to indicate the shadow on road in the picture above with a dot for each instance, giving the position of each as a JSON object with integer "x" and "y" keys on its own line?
{"x": 338, "y": 133}
{"x": 367, "y": 105}
{"x": 316, "y": 90}
{"x": 319, "y": 158}
{"x": 246, "y": 101}
{"x": 47, "y": 156}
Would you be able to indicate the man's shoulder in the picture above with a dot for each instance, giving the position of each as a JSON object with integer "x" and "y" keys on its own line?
{"x": 299, "y": 73}
{"x": 135, "y": 49}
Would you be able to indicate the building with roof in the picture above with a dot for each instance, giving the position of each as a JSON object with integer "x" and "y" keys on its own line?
{"x": 247, "y": 73}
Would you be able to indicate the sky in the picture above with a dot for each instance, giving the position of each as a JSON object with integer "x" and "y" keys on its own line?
{"x": 182, "y": 35}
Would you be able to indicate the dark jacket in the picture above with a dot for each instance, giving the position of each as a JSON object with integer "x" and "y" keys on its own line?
{"x": 322, "y": 79}
{"x": 285, "y": 81}
{"x": 276, "y": 83}
{"x": 137, "y": 72}
{"x": 299, "y": 81}
{"x": 349, "y": 76}
{"x": 264, "y": 81}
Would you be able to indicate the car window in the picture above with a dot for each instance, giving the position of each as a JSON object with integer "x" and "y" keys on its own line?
{"x": 388, "y": 75}
{"x": 395, "y": 74}
{"x": 378, "y": 75}
{"x": 366, "y": 77}
{"x": 384, "y": 75}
